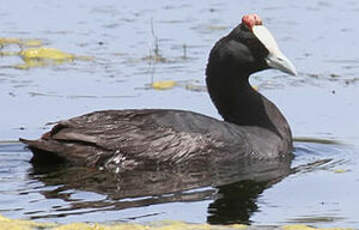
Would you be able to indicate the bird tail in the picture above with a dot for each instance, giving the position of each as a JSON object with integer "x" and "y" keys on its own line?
{"x": 43, "y": 151}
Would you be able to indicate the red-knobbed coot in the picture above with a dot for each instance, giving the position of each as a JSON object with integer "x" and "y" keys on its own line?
{"x": 253, "y": 127}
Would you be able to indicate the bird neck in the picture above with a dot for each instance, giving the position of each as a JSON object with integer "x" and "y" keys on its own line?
{"x": 238, "y": 103}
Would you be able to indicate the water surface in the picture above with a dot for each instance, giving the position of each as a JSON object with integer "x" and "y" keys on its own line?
{"x": 320, "y": 104}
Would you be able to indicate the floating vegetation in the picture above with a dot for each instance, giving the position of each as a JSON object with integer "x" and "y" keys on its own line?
{"x": 46, "y": 53}
{"x": 162, "y": 85}
{"x": 6, "y": 223}
{"x": 20, "y": 42}
{"x": 195, "y": 86}
{"x": 155, "y": 58}
{"x": 33, "y": 43}
{"x": 191, "y": 85}
{"x": 154, "y": 53}
{"x": 305, "y": 227}
{"x": 35, "y": 55}
{"x": 8, "y": 53}
{"x": 340, "y": 171}
{"x": 8, "y": 41}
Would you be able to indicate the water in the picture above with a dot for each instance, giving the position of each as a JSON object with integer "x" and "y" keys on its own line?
{"x": 320, "y": 190}
{"x": 321, "y": 104}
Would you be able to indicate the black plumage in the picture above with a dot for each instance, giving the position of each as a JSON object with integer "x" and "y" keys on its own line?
{"x": 118, "y": 140}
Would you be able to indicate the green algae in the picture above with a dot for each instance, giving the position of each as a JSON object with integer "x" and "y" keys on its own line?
{"x": 43, "y": 56}
{"x": 34, "y": 54}
{"x": 305, "y": 227}
{"x": 20, "y": 42}
{"x": 13, "y": 224}
{"x": 162, "y": 85}
{"x": 6, "y": 223}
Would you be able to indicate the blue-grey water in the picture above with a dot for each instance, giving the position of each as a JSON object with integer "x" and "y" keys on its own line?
{"x": 321, "y": 103}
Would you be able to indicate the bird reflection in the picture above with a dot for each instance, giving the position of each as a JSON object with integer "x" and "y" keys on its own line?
{"x": 233, "y": 188}
{"x": 236, "y": 203}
